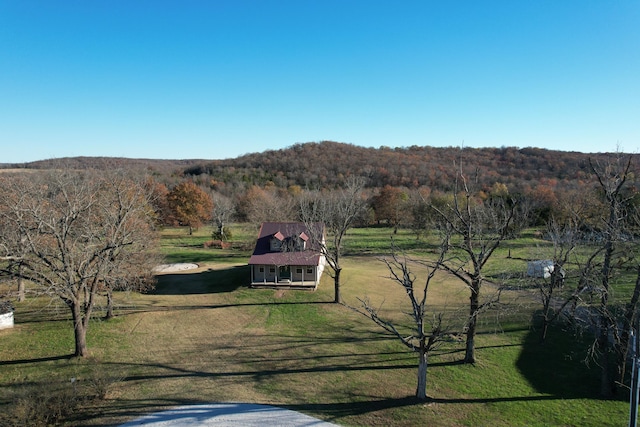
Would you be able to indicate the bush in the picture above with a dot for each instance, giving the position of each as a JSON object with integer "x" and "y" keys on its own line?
{"x": 225, "y": 235}
{"x": 40, "y": 406}
{"x": 100, "y": 381}
{"x": 56, "y": 402}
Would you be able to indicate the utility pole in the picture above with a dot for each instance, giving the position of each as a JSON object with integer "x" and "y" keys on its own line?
{"x": 635, "y": 377}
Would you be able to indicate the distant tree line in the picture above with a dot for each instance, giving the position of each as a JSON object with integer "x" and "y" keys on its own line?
{"x": 328, "y": 165}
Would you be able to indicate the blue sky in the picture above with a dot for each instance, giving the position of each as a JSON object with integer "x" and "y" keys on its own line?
{"x": 218, "y": 79}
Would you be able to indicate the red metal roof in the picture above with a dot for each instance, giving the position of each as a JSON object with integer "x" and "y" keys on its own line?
{"x": 262, "y": 254}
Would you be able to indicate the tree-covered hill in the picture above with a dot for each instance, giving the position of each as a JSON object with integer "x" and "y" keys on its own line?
{"x": 327, "y": 164}
{"x": 156, "y": 166}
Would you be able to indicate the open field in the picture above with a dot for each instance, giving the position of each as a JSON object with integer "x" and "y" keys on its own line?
{"x": 202, "y": 336}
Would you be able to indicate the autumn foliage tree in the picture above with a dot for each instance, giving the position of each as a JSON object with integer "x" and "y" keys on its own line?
{"x": 190, "y": 205}
{"x": 419, "y": 215}
{"x": 159, "y": 193}
{"x": 390, "y": 206}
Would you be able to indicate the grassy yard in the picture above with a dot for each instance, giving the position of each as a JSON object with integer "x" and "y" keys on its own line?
{"x": 202, "y": 336}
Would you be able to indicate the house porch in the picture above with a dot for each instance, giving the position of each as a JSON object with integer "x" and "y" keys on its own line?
{"x": 284, "y": 277}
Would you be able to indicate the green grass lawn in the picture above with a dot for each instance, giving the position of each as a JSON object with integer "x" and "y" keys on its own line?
{"x": 204, "y": 336}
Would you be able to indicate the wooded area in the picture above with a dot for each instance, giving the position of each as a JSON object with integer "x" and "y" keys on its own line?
{"x": 550, "y": 181}
{"x": 327, "y": 164}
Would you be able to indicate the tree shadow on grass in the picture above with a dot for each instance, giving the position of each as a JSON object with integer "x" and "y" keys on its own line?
{"x": 558, "y": 366}
{"x": 335, "y": 410}
{"x": 206, "y": 282}
{"x": 206, "y": 255}
{"x": 328, "y": 409}
{"x": 37, "y": 360}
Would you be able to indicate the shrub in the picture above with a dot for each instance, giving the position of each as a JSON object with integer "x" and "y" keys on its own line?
{"x": 225, "y": 235}
{"x": 57, "y": 401}
{"x": 100, "y": 381}
{"x": 40, "y": 406}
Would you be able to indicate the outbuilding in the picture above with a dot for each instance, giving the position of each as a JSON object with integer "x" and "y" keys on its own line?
{"x": 6, "y": 315}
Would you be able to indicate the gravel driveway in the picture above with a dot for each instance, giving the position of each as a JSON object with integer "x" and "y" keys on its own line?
{"x": 227, "y": 414}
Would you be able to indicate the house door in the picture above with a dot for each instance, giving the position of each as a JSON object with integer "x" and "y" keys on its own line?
{"x": 285, "y": 272}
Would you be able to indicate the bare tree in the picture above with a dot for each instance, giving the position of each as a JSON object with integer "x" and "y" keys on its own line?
{"x": 613, "y": 178}
{"x": 80, "y": 230}
{"x": 565, "y": 240}
{"x": 605, "y": 242}
{"x": 427, "y": 330}
{"x": 13, "y": 241}
{"x": 258, "y": 205}
{"x": 337, "y": 210}
{"x": 223, "y": 211}
{"x": 472, "y": 230}
{"x": 132, "y": 199}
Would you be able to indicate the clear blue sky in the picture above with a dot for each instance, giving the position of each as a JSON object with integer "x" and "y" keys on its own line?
{"x": 218, "y": 79}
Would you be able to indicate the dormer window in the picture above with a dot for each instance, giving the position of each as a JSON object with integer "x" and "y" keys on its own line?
{"x": 275, "y": 244}
{"x": 281, "y": 243}
{"x": 303, "y": 240}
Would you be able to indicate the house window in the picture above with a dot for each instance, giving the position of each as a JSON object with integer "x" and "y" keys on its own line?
{"x": 309, "y": 270}
{"x": 272, "y": 269}
{"x": 261, "y": 269}
{"x": 299, "y": 270}
{"x": 276, "y": 245}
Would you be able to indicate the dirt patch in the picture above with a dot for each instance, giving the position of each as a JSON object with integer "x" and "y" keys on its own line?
{"x": 171, "y": 268}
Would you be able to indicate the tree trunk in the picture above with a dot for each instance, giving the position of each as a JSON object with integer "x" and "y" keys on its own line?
{"x": 604, "y": 345}
{"x": 606, "y": 379}
{"x": 336, "y": 284}
{"x": 470, "y": 351}
{"x": 545, "y": 329}
{"x": 21, "y": 290}
{"x": 421, "y": 390}
{"x": 607, "y": 385}
{"x": 109, "y": 314}
{"x": 629, "y": 320}
{"x": 80, "y": 331}
{"x": 545, "y": 315}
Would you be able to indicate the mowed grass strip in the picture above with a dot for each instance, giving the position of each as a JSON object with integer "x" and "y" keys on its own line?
{"x": 203, "y": 336}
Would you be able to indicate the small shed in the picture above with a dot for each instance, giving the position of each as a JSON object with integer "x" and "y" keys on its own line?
{"x": 540, "y": 268}
{"x": 546, "y": 269}
{"x": 6, "y": 315}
